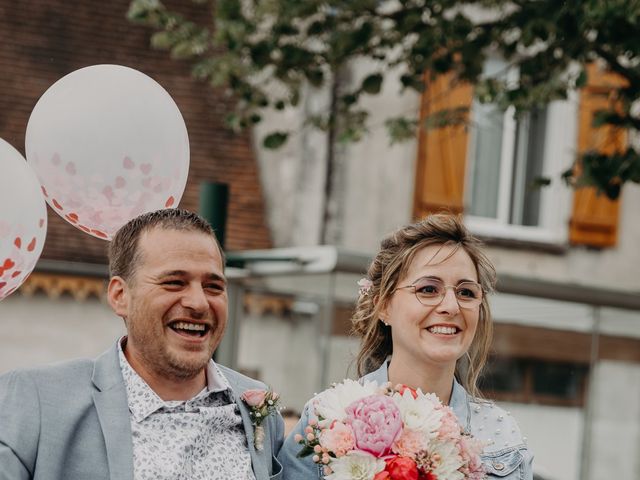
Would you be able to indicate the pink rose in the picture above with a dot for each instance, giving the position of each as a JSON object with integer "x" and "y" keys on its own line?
{"x": 338, "y": 438}
{"x": 376, "y": 423}
{"x": 254, "y": 397}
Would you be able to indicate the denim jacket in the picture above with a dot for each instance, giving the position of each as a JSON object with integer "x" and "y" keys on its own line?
{"x": 505, "y": 457}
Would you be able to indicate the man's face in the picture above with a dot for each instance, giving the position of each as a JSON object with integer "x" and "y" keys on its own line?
{"x": 174, "y": 305}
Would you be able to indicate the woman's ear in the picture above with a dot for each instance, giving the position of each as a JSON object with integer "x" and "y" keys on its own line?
{"x": 118, "y": 296}
{"x": 383, "y": 314}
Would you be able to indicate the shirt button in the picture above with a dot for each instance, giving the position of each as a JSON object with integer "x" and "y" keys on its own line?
{"x": 498, "y": 466}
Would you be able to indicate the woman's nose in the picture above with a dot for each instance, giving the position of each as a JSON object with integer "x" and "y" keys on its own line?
{"x": 449, "y": 303}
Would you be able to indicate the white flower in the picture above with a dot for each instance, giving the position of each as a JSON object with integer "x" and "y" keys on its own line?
{"x": 419, "y": 413}
{"x": 355, "y": 465}
{"x": 450, "y": 461}
{"x": 331, "y": 404}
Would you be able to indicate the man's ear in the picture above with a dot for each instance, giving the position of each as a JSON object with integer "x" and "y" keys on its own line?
{"x": 118, "y": 296}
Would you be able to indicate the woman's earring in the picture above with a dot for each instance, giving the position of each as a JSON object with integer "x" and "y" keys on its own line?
{"x": 385, "y": 323}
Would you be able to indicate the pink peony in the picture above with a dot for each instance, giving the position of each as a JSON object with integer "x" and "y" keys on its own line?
{"x": 254, "y": 397}
{"x": 376, "y": 423}
{"x": 338, "y": 438}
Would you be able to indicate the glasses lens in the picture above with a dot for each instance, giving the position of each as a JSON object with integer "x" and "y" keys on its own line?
{"x": 468, "y": 294}
{"x": 429, "y": 291}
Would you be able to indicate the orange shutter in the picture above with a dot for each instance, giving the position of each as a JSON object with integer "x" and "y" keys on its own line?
{"x": 594, "y": 221}
{"x": 442, "y": 152}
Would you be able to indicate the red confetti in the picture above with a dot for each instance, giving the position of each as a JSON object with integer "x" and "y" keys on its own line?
{"x": 44, "y": 191}
{"x": 98, "y": 233}
{"x": 72, "y": 217}
{"x": 32, "y": 245}
{"x": 83, "y": 228}
{"x": 2, "y": 285}
{"x": 15, "y": 274}
{"x": 8, "y": 264}
{"x": 169, "y": 202}
{"x": 56, "y": 204}
{"x": 128, "y": 163}
{"x": 17, "y": 242}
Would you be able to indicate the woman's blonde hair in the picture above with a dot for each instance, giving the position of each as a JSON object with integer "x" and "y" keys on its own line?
{"x": 391, "y": 265}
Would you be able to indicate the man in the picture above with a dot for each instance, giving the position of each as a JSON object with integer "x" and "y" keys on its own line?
{"x": 155, "y": 406}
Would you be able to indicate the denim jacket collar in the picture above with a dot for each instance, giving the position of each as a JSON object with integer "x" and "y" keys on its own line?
{"x": 459, "y": 401}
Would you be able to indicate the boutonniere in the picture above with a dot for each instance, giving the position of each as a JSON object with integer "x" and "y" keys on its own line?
{"x": 261, "y": 403}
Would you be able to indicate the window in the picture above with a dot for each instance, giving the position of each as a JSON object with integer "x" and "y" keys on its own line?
{"x": 484, "y": 167}
{"x": 542, "y": 382}
{"x": 506, "y": 155}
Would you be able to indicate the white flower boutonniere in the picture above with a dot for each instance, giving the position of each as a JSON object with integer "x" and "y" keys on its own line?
{"x": 261, "y": 403}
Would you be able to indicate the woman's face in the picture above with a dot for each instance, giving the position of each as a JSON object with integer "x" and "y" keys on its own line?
{"x": 433, "y": 335}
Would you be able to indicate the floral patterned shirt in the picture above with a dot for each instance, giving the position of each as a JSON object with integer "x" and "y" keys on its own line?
{"x": 198, "y": 439}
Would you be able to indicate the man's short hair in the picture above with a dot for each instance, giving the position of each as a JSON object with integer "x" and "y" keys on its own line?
{"x": 124, "y": 255}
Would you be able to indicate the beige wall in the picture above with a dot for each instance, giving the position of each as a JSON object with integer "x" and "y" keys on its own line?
{"x": 38, "y": 330}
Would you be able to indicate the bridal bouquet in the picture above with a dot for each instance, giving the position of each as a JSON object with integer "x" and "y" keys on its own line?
{"x": 371, "y": 432}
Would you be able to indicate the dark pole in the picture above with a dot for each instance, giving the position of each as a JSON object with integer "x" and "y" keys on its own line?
{"x": 214, "y": 199}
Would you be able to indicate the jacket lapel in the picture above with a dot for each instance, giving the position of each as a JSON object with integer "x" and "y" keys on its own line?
{"x": 258, "y": 458}
{"x": 110, "y": 399}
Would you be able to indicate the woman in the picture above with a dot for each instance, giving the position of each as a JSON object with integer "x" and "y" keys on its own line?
{"x": 425, "y": 322}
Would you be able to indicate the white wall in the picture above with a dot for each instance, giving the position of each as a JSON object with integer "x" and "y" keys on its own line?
{"x": 375, "y": 193}
{"x": 615, "y": 427}
{"x": 554, "y": 435}
{"x": 38, "y": 330}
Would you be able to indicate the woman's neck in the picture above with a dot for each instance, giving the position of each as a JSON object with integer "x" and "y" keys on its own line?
{"x": 428, "y": 378}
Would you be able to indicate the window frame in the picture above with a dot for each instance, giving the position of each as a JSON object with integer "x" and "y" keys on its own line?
{"x": 560, "y": 150}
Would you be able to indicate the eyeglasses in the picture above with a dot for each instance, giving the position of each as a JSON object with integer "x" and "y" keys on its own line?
{"x": 431, "y": 292}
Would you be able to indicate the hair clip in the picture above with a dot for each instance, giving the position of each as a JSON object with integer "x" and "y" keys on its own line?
{"x": 365, "y": 286}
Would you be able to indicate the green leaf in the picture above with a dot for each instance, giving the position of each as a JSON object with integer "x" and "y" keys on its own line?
{"x": 372, "y": 84}
{"x": 275, "y": 140}
{"x": 161, "y": 40}
{"x": 539, "y": 182}
{"x": 315, "y": 77}
{"x": 401, "y": 129}
{"x": 581, "y": 80}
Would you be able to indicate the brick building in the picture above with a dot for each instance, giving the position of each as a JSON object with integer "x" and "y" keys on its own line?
{"x": 60, "y": 312}
{"x": 41, "y": 41}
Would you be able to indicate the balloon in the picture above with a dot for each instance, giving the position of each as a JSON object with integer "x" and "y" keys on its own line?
{"x": 107, "y": 143}
{"x": 23, "y": 219}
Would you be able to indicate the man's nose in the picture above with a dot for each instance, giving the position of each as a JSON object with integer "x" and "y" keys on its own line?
{"x": 195, "y": 299}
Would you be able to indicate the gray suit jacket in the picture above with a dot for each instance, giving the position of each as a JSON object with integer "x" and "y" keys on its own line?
{"x": 71, "y": 421}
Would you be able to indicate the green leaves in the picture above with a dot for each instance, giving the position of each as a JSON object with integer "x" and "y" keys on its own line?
{"x": 372, "y": 84}
{"x": 401, "y": 129}
{"x": 290, "y": 43}
{"x": 275, "y": 140}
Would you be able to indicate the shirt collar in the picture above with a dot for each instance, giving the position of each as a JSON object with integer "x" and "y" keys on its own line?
{"x": 143, "y": 401}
